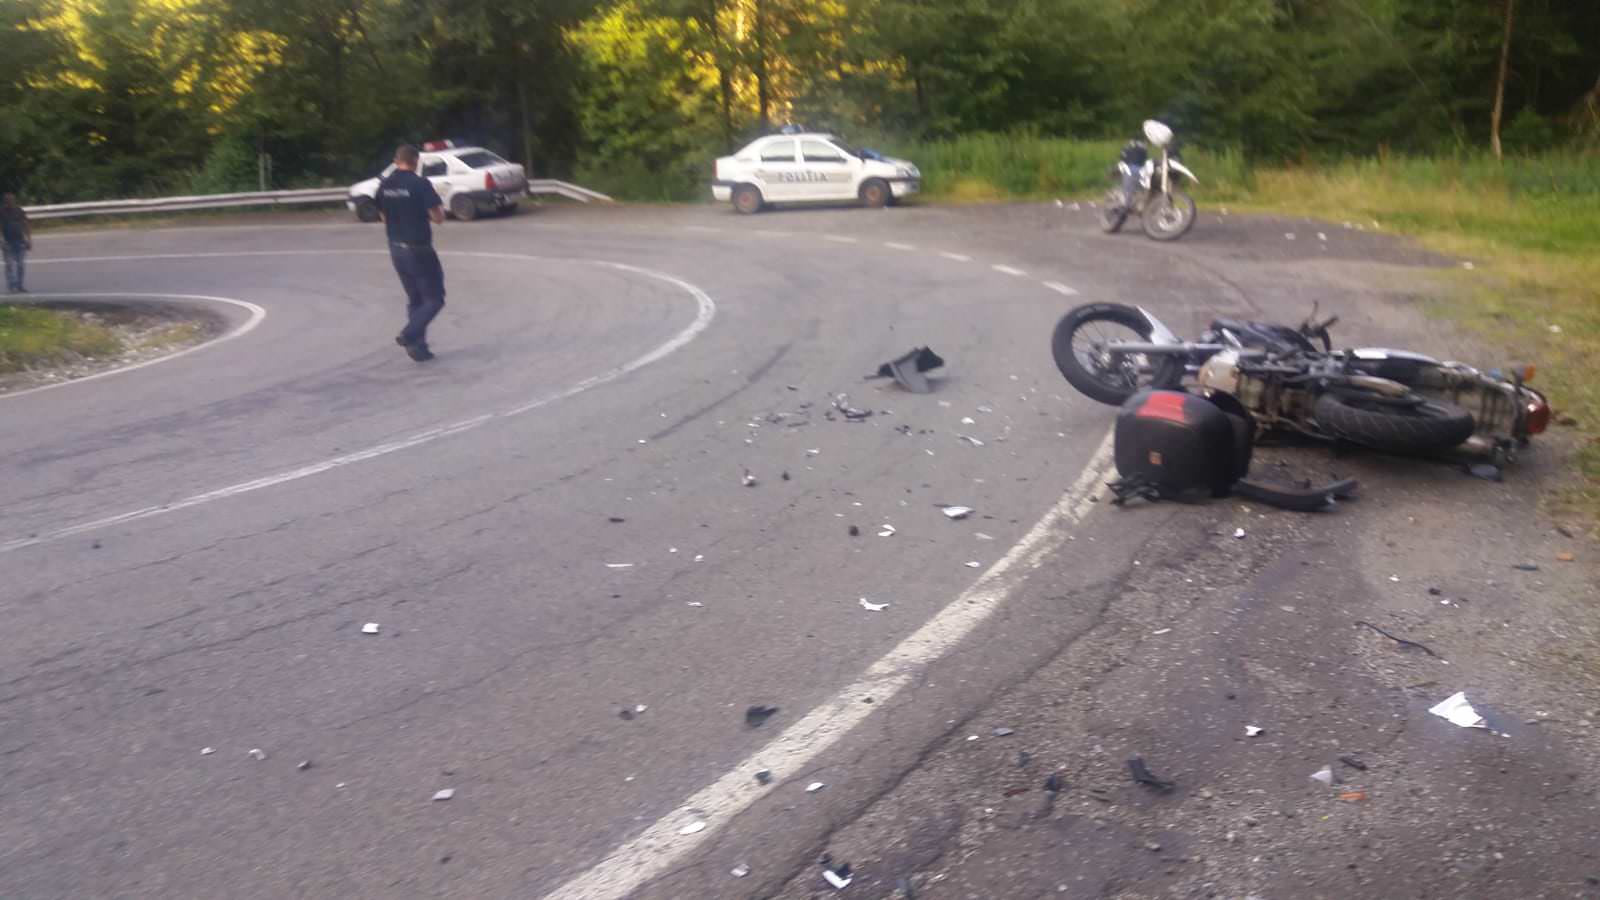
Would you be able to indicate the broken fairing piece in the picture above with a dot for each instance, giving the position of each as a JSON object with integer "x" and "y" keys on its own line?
{"x": 841, "y": 402}
{"x": 756, "y": 716}
{"x": 207, "y": 751}
{"x": 445, "y": 794}
{"x": 839, "y": 882}
{"x": 619, "y": 565}
{"x": 886, "y": 531}
{"x": 907, "y": 370}
{"x": 1324, "y": 775}
{"x": 970, "y": 439}
{"x": 973, "y": 564}
{"x": 957, "y": 512}
{"x": 370, "y": 628}
{"x": 692, "y": 828}
{"x": 1238, "y": 533}
{"x": 814, "y": 786}
{"x": 1458, "y": 711}
{"x": 1252, "y": 731}
{"x": 740, "y": 871}
{"x": 968, "y": 420}
{"x": 1142, "y": 774}
{"x": 869, "y": 606}
{"x": 258, "y": 753}
{"x": 748, "y": 480}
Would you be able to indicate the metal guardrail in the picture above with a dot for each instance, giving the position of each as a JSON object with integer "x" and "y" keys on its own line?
{"x": 264, "y": 198}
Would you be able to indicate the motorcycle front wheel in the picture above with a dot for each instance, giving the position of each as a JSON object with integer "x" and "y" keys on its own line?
{"x": 1082, "y": 347}
{"x": 1113, "y": 212}
{"x": 1418, "y": 427}
{"x": 1170, "y": 217}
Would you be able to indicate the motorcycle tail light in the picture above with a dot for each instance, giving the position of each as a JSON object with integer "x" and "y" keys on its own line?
{"x": 1538, "y": 415}
{"x": 488, "y": 181}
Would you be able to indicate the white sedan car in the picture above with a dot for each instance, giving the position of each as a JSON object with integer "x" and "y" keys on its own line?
{"x": 807, "y": 167}
{"x": 468, "y": 179}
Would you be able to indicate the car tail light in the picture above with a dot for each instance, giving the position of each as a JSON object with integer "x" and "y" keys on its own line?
{"x": 488, "y": 181}
{"x": 1538, "y": 414}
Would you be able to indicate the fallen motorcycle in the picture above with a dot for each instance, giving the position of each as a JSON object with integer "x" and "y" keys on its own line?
{"x": 1292, "y": 380}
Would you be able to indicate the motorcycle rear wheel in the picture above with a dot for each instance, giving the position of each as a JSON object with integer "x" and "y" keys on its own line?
{"x": 1110, "y": 379}
{"x": 1169, "y": 218}
{"x": 1416, "y": 428}
{"x": 1113, "y": 212}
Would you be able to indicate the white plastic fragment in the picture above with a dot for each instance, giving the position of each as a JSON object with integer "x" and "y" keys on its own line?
{"x": 1456, "y": 710}
{"x": 973, "y": 564}
{"x": 814, "y": 786}
{"x": 1321, "y": 236}
{"x": 640, "y": 708}
{"x": 619, "y": 565}
{"x": 1252, "y": 730}
{"x": 970, "y": 439}
{"x": 968, "y": 420}
{"x": 957, "y": 512}
{"x": 1288, "y": 235}
{"x": 696, "y": 604}
{"x": 885, "y": 530}
{"x": 984, "y": 537}
{"x": 1394, "y": 578}
{"x": 740, "y": 871}
{"x": 1324, "y": 775}
{"x": 748, "y": 480}
{"x": 207, "y": 751}
{"x": 1160, "y": 631}
{"x": 445, "y": 794}
{"x": 1238, "y": 533}
{"x": 869, "y": 606}
{"x": 370, "y": 628}
{"x": 833, "y": 879}
{"x": 258, "y": 753}
{"x": 694, "y": 827}
{"x": 814, "y": 451}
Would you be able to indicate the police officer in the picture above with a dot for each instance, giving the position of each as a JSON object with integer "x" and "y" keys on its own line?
{"x": 407, "y": 202}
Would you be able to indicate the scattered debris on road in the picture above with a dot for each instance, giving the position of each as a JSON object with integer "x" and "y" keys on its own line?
{"x": 1486, "y": 471}
{"x": 869, "y": 606}
{"x": 1003, "y": 731}
{"x": 855, "y": 531}
{"x": 1238, "y": 534}
{"x": 616, "y": 520}
{"x": 1402, "y": 641}
{"x": 1353, "y": 762}
{"x": 207, "y": 751}
{"x": 1353, "y": 796}
{"x": 973, "y": 564}
{"x": 1324, "y": 775}
{"x": 619, "y": 565}
{"x": 740, "y": 870}
{"x": 1525, "y": 567}
{"x": 370, "y": 628}
{"x": 956, "y": 512}
{"x": 1053, "y": 783}
{"x": 1565, "y": 556}
{"x": 841, "y": 402}
{"x": 1457, "y": 711}
{"x": 756, "y": 716}
{"x": 748, "y": 480}
{"x": 304, "y": 765}
{"x": 763, "y": 777}
{"x": 258, "y": 753}
{"x": 444, "y": 794}
{"x": 1142, "y": 774}
{"x": 907, "y": 370}
{"x": 694, "y": 827}
{"x": 969, "y": 439}
{"x": 814, "y": 786}
{"x": 1253, "y": 730}
{"x": 886, "y": 531}
{"x": 839, "y": 876}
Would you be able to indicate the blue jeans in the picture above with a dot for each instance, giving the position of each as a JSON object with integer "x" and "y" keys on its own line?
{"x": 15, "y": 268}
{"x": 423, "y": 280}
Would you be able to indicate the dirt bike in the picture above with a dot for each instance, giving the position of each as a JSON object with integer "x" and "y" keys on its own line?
{"x": 1165, "y": 212}
{"x": 1291, "y": 379}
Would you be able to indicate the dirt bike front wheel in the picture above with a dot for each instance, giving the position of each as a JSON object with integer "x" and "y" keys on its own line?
{"x": 1083, "y": 347}
{"x": 1170, "y": 217}
{"x": 1113, "y": 212}
{"x": 1419, "y": 427}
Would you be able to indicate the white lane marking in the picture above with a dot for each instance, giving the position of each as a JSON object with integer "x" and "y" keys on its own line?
{"x": 256, "y": 315}
{"x": 896, "y": 245}
{"x": 707, "y": 310}
{"x": 1007, "y": 270}
{"x": 773, "y": 234}
{"x": 839, "y": 239}
{"x": 661, "y": 846}
{"x": 703, "y": 229}
{"x": 1060, "y": 288}
{"x": 958, "y": 257}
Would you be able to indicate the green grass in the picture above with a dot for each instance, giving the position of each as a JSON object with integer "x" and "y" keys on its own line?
{"x": 31, "y": 337}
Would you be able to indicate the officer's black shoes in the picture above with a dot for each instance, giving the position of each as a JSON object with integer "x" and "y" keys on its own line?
{"x": 419, "y": 352}
{"x": 401, "y": 340}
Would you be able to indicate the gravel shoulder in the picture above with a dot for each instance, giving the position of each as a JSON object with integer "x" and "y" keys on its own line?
{"x": 144, "y": 331}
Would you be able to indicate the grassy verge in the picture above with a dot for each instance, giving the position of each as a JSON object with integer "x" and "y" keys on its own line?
{"x": 1530, "y": 226}
{"x": 31, "y": 337}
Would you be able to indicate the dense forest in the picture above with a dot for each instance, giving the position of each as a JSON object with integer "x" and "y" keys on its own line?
{"x": 103, "y": 98}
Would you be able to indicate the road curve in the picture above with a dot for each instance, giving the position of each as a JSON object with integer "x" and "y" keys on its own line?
{"x": 550, "y": 525}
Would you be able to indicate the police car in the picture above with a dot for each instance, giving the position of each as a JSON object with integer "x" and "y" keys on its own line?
{"x": 800, "y": 167}
{"x": 469, "y": 180}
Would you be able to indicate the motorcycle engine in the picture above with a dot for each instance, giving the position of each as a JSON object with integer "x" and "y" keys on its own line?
{"x": 1221, "y": 372}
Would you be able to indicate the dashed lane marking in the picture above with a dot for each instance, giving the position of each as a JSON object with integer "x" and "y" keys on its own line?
{"x": 1060, "y": 288}
{"x": 1007, "y": 270}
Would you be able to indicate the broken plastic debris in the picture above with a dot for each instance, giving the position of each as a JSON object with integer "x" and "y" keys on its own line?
{"x": 764, "y": 777}
{"x": 1353, "y": 796}
{"x": 840, "y": 879}
{"x": 258, "y": 753}
{"x": 692, "y": 828}
{"x": 1252, "y": 730}
{"x": 907, "y": 370}
{"x": 1353, "y": 763}
{"x": 740, "y": 871}
{"x": 956, "y": 512}
{"x": 1142, "y": 774}
{"x": 444, "y": 794}
{"x": 304, "y": 765}
{"x": 1003, "y": 731}
{"x": 814, "y": 786}
{"x": 619, "y": 565}
{"x": 696, "y": 604}
{"x": 1324, "y": 775}
{"x": 968, "y": 420}
{"x": 370, "y": 628}
{"x": 1458, "y": 711}
{"x": 970, "y": 439}
{"x": 841, "y": 402}
{"x": 1160, "y": 631}
{"x": 814, "y": 451}
{"x": 1238, "y": 532}
{"x": 984, "y": 537}
{"x": 640, "y": 708}
{"x": 207, "y": 751}
{"x": 756, "y": 716}
{"x": 1486, "y": 471}
{"x": 886, "y": 531}
{"x": 973, "y": 564}
{"x": 869, "y": 606}
{"x": 748, "y": 480}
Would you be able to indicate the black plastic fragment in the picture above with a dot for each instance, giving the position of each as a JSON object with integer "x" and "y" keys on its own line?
{"x": 756, "y": 716}
{"x": 907, "y": 370}
{"x": 1142, "y": 774}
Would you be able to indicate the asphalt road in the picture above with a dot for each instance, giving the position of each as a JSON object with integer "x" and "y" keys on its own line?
{"x": 550, "y": 525}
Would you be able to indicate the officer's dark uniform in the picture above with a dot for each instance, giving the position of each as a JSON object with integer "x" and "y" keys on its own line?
{"x": 405, "y": 198}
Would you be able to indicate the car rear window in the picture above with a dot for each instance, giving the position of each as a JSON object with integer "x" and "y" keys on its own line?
{"x": 480, "y": 159}
{"x": 778, "y": 151}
